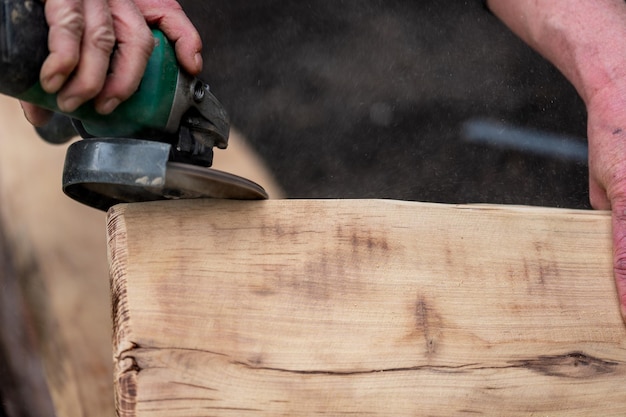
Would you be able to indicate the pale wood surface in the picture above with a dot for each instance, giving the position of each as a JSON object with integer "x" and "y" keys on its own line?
{"x": 363, "y": 308}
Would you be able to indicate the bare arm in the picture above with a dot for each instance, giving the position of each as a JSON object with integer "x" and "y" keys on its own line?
{"x": 586, "y": 40}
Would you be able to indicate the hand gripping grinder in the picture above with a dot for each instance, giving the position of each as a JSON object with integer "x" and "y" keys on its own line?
{"x": 156, "y": 145}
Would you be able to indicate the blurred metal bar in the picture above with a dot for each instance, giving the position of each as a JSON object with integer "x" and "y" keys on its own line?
{"x": 534, "y": 141}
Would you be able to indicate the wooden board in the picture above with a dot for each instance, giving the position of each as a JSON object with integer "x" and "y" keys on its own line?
{"x": 353, "y": 307}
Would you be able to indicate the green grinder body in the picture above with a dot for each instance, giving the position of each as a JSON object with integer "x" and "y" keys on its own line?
{"x": 23, "y": 40}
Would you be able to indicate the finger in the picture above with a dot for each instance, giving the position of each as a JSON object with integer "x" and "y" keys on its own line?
{"x": 95, "y": 54}
{"x": 37, "y": 116}
{"x": 597, "y": 195}
{"x": 66, "y": 25}
{"x": 169, "y": 16}
{"x": 599, "y": 201}
{"x": 128, "y": 64}
{"x": 619, "y": 250}
{"x": 187, "y": 42}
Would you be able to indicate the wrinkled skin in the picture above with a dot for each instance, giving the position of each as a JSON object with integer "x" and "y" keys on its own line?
{"x": 99, "y": 50}
{"x": 607, "y": 173}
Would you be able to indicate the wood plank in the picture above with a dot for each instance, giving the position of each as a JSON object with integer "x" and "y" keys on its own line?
{"x": 363, "y": 307}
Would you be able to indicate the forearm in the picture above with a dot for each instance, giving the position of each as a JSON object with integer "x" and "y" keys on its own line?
{"x": 585, "y": 39}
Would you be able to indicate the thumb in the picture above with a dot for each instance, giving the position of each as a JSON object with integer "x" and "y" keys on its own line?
{"x": 600, "y": 201}
{"x": 37, "y": 116}
{"x": 597, "y": 195}
{"x": 618, "y": 212}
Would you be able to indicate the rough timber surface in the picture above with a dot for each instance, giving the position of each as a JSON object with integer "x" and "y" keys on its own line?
{"x": 363, "y": 307}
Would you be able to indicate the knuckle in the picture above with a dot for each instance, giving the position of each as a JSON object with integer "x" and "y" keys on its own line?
{"x": 146, "y": 41}
{"x": 158, "y": 7}
{"x": 90, "y": 88}
{"x": 67, "y": 25}
{"x": 619, "y": 212}
{"x": 616, "y": 193}
{"x": 61, "y": 62}
{"x": 615, "y": 180}
{"x": 619, "y": 258}
{"x": 79, "y": 88}
{"x": 619, "y": 267}
{"x": 71, "y": 19}
{"x": 102, "y": 38}
{"x": 119, "y": 87}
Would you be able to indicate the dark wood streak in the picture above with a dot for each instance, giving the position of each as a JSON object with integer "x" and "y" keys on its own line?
{"x": 576, "y": 365}
{"x": 127, "y": 369}
{"x": 428, "y": 323}
{"x": 125, "y": 365}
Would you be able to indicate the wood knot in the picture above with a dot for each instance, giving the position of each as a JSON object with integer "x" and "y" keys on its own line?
{"x": 571, "y": 365}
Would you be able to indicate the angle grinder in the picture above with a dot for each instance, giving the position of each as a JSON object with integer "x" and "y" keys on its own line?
{"x": 156, "y": 145}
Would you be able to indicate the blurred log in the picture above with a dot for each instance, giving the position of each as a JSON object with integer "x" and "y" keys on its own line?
{"x": 57, "y": 248}
{"x": 55, "y": 335}
{"x": 23, "y": 390}
{"x": 363, "y": 307}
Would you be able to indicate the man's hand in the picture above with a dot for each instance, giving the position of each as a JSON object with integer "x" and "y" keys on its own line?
{"x": 99, "y": 50}
{"x": 607, "y": 172}
{"x": 585, "y": 40}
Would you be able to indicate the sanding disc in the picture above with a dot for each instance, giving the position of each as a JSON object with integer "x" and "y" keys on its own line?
{"x": 103, "y": 172}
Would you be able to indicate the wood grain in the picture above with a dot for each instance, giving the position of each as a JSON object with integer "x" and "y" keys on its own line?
{"x": 363, "y": 307}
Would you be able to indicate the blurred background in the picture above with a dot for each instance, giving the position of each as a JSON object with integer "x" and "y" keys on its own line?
{"x": 370, "y": 99}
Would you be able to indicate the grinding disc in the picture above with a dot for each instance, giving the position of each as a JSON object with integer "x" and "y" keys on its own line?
{"x": 107, "y": 171}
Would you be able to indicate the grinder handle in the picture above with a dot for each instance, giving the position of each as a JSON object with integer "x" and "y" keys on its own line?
{"x": 23, "y": 44}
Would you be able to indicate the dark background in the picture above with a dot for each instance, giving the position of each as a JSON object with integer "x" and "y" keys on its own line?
{"x": 366, "y": 98}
